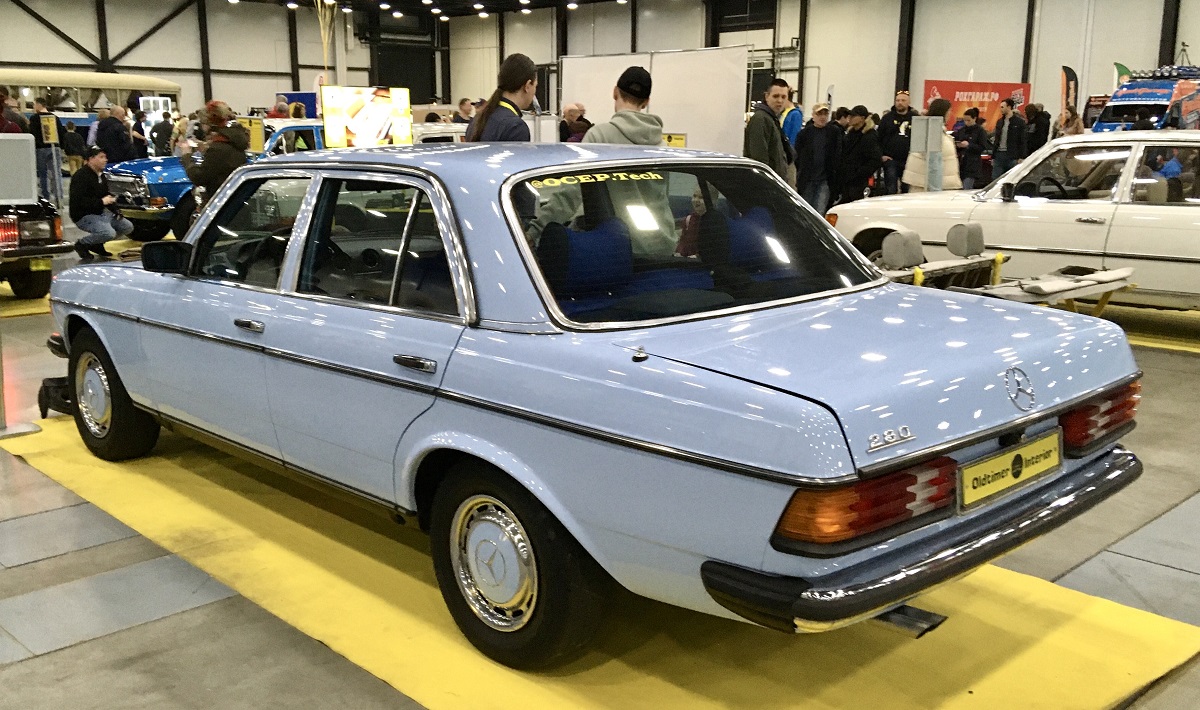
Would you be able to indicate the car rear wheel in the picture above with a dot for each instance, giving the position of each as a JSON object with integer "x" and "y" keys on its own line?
{"x": 111, "y": 427}
{"x": 30, "y": 284}
{"x": 518, "y": 585}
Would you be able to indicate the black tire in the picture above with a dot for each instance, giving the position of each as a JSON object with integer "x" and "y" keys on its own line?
{"x": 149, "y": 230}
{"x": 567, "y": 592}
{"x": 30, "y": 284}
{"x": 181, "y": 218}
{"x": 111, "y": 427}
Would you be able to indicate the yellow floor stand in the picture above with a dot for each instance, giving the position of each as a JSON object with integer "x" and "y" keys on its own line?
{"x": 11, "y": 306}
{"x": 366, "y": 589}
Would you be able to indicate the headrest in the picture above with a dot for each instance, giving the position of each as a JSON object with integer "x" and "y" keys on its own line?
{"x": 965, "y": 240}
{"x": 902, "y": 250}
{"x": 586, "y": 263}
{"x": 747, "y": 238}
{"x": 1156, "y": 192}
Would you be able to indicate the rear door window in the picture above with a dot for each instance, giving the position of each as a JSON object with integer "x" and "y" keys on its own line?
{"x": 377, "y": 242}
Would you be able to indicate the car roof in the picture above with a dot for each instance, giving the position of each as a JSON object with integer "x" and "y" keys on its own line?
{"x": 1156, "y": 136}
{"x": 462, "y": 161}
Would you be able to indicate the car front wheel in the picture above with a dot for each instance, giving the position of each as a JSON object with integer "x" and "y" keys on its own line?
{"x": 518, "y": 585}
{"x": 30, "y": 284}
{"x": 111, "y": 427}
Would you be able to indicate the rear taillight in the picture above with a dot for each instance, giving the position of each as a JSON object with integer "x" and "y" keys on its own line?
{"x": 9, "y": 234}
{"x": 831, "y": 218}
{"x": 837, "y": 514}
{"x": 1097, "y": 419}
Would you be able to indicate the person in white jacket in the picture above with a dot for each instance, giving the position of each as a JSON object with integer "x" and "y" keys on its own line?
{"x": 916, "y": 168}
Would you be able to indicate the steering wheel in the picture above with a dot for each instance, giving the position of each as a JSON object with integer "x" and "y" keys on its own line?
{"x": 1054, "y": 181}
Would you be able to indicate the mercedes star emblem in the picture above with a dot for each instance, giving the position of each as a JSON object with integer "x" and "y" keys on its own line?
{"x": 1020, "y": 388}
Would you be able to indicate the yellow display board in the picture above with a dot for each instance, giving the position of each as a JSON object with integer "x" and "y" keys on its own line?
{"x": 366, "y": 117}
{"x": 365, "y": 587}
{"x": 675, "y": 140}
{"x": 258, "y": 134}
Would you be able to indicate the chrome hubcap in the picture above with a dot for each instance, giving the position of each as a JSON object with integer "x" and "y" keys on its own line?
{"x": 494, "y": 563}
{"x": 93, "y": 397}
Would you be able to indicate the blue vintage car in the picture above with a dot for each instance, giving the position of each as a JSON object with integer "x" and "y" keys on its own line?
{"x": 148, "y": 190}
{"x": 580, "y": 366}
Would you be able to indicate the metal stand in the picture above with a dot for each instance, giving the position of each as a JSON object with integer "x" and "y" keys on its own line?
{"x": 7, "y": 430}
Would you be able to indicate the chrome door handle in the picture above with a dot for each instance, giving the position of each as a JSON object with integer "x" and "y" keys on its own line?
{"x": 254, "y": 326}
{"x": 1090, "y": 220}
{"x": 420, "y": 364}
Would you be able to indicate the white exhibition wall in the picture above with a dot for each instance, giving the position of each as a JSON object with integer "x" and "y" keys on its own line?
{"x": 708, "y": 125}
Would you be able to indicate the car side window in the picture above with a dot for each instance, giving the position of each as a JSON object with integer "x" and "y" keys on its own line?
{"x": 378, "y": 242}
{"x": 1076, "y": 173}
{"x": 246, "y": 241}
{"x": 1166, "y": 175}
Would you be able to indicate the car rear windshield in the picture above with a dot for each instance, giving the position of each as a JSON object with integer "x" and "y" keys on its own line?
{"x": 651, "y": 242}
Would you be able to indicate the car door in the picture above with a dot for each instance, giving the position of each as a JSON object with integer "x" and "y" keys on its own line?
{"x": 1063, "y": 208}
{"x": 365, "y": 330}
{"x": 204, "y": 331}
{"x": 1156, "y": 229}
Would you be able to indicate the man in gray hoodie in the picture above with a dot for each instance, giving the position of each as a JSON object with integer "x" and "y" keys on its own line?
{"x": 630, "y": 123}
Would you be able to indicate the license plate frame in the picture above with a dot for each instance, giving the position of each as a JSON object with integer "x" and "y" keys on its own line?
{"x": 967, "y": 471}
{"x": 41, "y": 263}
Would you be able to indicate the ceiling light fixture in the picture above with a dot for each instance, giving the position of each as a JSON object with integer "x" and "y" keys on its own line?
{"x": 436, "y": 11}
{"x": 524, "y": 2}
{"x": 572, "y": 5}
{"x": 397, "y": 14}
{"x": 292, "y": 4}
{"x": 483, "y": 14}
{"x": 525, "y": 11}
{"x": 444, "y": 18}
{"x": 426, "y": 2}
{"x": 233, "y": 2}
{"x": 478, "y": 6}
{"x": 385, "y": 6}
{"x": 347, "y": 9}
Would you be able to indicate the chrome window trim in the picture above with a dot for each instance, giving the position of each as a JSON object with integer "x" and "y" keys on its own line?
{"x": 376, "y": 307}
{"x": 547, "y": 295}
{"x": 443, "y": 208}
{"x": 416, "y": 182}
{"x": 242, "y": 174}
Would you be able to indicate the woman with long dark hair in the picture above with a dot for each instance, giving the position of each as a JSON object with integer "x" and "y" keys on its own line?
{"x": 500, "y": 118}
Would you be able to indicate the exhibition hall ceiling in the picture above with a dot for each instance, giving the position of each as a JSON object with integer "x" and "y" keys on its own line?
{"x": 451, "y": 8}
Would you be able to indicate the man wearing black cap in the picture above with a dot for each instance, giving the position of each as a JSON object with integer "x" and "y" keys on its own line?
{"x": 89, "y": 200}
{"x": 630, "y": 123}
{"x": 861, "y": 154}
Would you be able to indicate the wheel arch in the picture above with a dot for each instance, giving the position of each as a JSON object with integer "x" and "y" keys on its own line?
{"x": 864, "y": 239}
{"x": 431, "y": 460}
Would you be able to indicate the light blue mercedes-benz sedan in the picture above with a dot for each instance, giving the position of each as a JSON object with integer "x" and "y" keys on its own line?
{"x": 585, "y": 366}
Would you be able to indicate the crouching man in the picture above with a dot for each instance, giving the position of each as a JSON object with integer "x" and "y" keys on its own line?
{"x": 89, "y": 200}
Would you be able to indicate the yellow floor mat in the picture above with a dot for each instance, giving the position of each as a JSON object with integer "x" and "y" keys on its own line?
{"x": 366, "y": 589}
{"x": 11, "y": 306}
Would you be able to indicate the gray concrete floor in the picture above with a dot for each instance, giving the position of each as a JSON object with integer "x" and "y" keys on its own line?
{"x": 126, "y": 624}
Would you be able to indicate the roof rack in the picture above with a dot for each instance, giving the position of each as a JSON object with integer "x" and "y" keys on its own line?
{"x": 1166, "y": 71}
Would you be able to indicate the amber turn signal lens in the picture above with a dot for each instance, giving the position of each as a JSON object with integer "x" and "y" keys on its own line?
{"x": 58, "y": 229}
{"x": 831, "y": 218}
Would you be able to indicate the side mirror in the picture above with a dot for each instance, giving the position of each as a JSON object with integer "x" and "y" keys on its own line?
{"x": 169, "y": 257}
{"x": 1008, "y": 192}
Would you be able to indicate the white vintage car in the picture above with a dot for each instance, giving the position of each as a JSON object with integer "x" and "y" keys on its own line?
{"x": 1113, "y": 200}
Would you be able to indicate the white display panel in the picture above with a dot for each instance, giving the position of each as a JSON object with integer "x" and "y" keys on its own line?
{"x": 709, "y": 125}
{"x": 18, "y": 179}
{"x": 590, "y": 80}
{"x": 942, "y": 50}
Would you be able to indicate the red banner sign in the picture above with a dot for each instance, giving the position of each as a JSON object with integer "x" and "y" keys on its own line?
{"x": 983, "y": 95}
